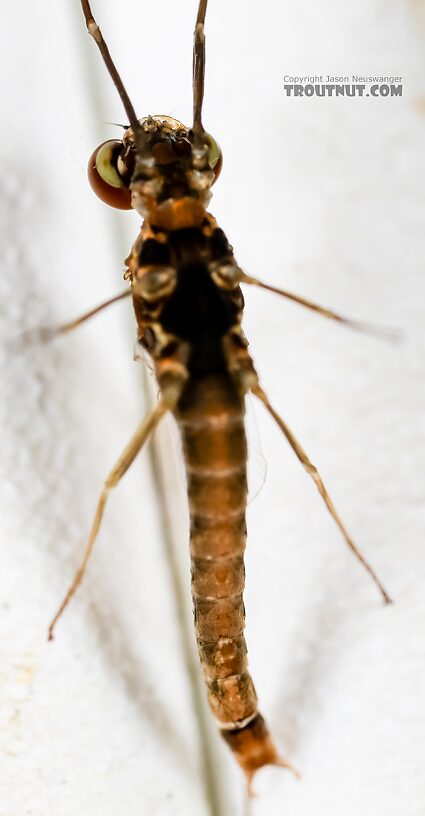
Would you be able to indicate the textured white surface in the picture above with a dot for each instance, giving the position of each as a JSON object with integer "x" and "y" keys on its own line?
{"x": 325, "y": 197}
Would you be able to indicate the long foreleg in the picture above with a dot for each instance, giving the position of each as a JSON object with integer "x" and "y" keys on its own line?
{"x": 48, "y": 332}
{"x": 229, "y": 275}
{"x": 358, "y": 325}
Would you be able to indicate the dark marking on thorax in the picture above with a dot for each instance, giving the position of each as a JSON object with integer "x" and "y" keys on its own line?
{"x": 198, "y": 311}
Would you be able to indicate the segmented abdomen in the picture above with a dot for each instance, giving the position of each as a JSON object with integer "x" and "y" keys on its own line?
{"x": 211, "y": 419}
{"x": 215, "y": 453}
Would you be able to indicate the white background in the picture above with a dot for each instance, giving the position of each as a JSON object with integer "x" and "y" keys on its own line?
{"x": 324, "y": 197}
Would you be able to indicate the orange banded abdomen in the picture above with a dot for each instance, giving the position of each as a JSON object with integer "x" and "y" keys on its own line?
{"x": 211, "y": 420}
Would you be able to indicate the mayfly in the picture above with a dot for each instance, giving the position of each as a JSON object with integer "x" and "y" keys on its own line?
{"x": 185, "y": 285}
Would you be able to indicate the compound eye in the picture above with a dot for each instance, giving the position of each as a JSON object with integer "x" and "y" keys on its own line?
{"x": 104, "y": 178}
{"x": 215, "y": 156}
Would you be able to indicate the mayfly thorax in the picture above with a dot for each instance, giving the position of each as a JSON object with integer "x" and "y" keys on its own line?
{"x": 185, "y": 285}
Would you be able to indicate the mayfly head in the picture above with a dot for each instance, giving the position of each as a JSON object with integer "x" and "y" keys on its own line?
{"x": 161, "y": 168}
{"x": 169, "y": 177}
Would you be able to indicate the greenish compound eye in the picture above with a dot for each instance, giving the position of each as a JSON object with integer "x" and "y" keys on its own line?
{"x": 104, "y": 177}
{"x": 215, "y": 156}
{"x": 105, "y": 163}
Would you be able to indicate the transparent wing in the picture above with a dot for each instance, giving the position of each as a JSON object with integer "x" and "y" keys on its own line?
{"x": 257, "y": 465}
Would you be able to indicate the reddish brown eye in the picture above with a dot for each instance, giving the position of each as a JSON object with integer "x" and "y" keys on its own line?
{"x": 104, "y": 178}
